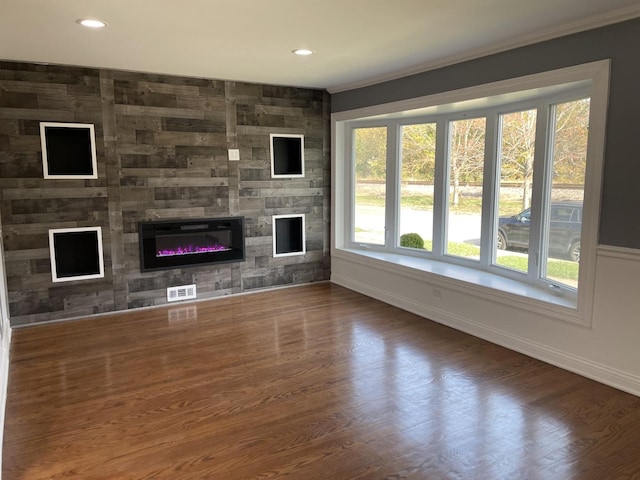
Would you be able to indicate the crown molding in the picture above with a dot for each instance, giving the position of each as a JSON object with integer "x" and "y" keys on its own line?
{"x": 590, "y": 23}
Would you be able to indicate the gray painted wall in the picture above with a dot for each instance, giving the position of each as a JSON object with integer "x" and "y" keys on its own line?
{"x": 620, "y": 43}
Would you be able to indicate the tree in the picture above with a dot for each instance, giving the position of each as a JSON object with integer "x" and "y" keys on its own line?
{"x": 466, "y": 155}
{"x": 371, "y": 153}
{"x": 518, "y": 149}
{"x": 418, "y": 152}
{"x": 467, "y": 144}
{"x": 569, "y": 146}
{"x": 570, "y": 142}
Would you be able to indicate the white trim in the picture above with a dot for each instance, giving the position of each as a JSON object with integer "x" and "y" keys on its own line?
{"x": 274, "y": 220}
{"x": 4, "y": 382}
{"x": 470, "y": 281}
{"x": 593, "y": 186}
{"x": 43, "y": 143}
{"x": 272, "y": 136}
{"x": 596, "y": 72}
{"x": 572, "y": 74}
{"x": 580, "y": 365}
{"x": 52, "y": 254}
{"x": 609, "y": 18}
{"x": 621, "y": 253}
{"x": 339, "y": 185}
{"x": 5, "y": 347}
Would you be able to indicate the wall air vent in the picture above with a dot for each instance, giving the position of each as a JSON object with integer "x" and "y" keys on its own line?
{"x": 184, "y": 292}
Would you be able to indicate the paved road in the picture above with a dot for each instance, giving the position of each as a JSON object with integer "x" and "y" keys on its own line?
{"x": 462, "y": 228}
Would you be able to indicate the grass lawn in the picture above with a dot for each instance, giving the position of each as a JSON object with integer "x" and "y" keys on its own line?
{"x": 556, "y": 268}
{"x": 423, "y": 202}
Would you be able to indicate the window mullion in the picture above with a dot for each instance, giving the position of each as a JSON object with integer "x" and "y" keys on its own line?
{"x": 440, "y": 187}
{"x": 539, "y": 192}
{"x": 350, "y": 173}
{"x": 392, "y": 203}
{"x": 489, "y": 179}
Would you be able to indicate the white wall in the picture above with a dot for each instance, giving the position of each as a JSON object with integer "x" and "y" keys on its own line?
{"x": 608, "y": 351}
{"x": 5, "y": 342}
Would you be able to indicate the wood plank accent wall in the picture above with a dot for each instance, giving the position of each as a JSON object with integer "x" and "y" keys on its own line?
{"x": 162, "y": 153}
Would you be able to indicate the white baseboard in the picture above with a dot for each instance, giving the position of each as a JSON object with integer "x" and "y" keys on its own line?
{"x": 587, "y": 368}
{"x": 5, "y": 345}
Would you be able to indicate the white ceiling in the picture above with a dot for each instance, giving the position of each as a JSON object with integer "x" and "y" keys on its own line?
{"x": 357, "y": 42}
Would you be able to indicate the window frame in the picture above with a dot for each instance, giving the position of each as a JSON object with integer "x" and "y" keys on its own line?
{"x": 437, "y": 170}
{"x": 588, "y": 80}
{"x": 352, "y": 188}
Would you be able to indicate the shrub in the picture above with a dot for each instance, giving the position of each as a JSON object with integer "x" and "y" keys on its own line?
{"x": 411, "y": 240}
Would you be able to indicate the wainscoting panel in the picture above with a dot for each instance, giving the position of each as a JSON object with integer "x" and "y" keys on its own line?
{"x": 606, "y": 351}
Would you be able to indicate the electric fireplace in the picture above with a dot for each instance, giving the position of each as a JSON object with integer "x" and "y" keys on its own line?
{"x": 183, "y": 243}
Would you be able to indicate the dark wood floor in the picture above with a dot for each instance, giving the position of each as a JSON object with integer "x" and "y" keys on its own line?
{"x": 313, "y": 382}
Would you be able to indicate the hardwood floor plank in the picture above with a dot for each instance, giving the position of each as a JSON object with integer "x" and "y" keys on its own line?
{"x": 311, "y": 382}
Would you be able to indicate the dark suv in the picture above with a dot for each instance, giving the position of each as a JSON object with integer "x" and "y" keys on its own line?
{"x": 564, "y": 235}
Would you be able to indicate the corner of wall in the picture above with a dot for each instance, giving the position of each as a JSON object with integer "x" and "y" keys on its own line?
{"x": 4, "y": 378}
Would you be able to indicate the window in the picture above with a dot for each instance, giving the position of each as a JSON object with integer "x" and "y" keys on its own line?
{"x": 517, "y": 134}
{"x": 567, "y": 163}
{"x": 494, "y": 183}
{"x": 370, "y": 162}
{"x": 418, "y": 163}
{"x": 465, "y": 160}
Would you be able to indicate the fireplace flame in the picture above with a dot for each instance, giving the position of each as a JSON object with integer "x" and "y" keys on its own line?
{"x": 192, "y": 249}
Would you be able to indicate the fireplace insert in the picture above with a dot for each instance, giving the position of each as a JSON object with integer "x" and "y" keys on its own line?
{"x": 183, "y": 243}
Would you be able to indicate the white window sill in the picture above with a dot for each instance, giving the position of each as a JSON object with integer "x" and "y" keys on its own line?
{"x": 470, "y": 281}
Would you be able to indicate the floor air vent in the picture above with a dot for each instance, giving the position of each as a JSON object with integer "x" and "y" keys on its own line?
{"x": 184, "y": 292}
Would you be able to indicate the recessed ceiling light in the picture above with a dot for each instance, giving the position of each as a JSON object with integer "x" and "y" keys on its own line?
{"x": 92, "y": 23}
{"x": 302, "y": 51}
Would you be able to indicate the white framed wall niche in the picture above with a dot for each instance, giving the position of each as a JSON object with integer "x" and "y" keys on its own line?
{"x": 68, "y": 150}
{"x": 287, "y": 155}
{"x": 76, "y": 253}
{"x": 289, "y": 237}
